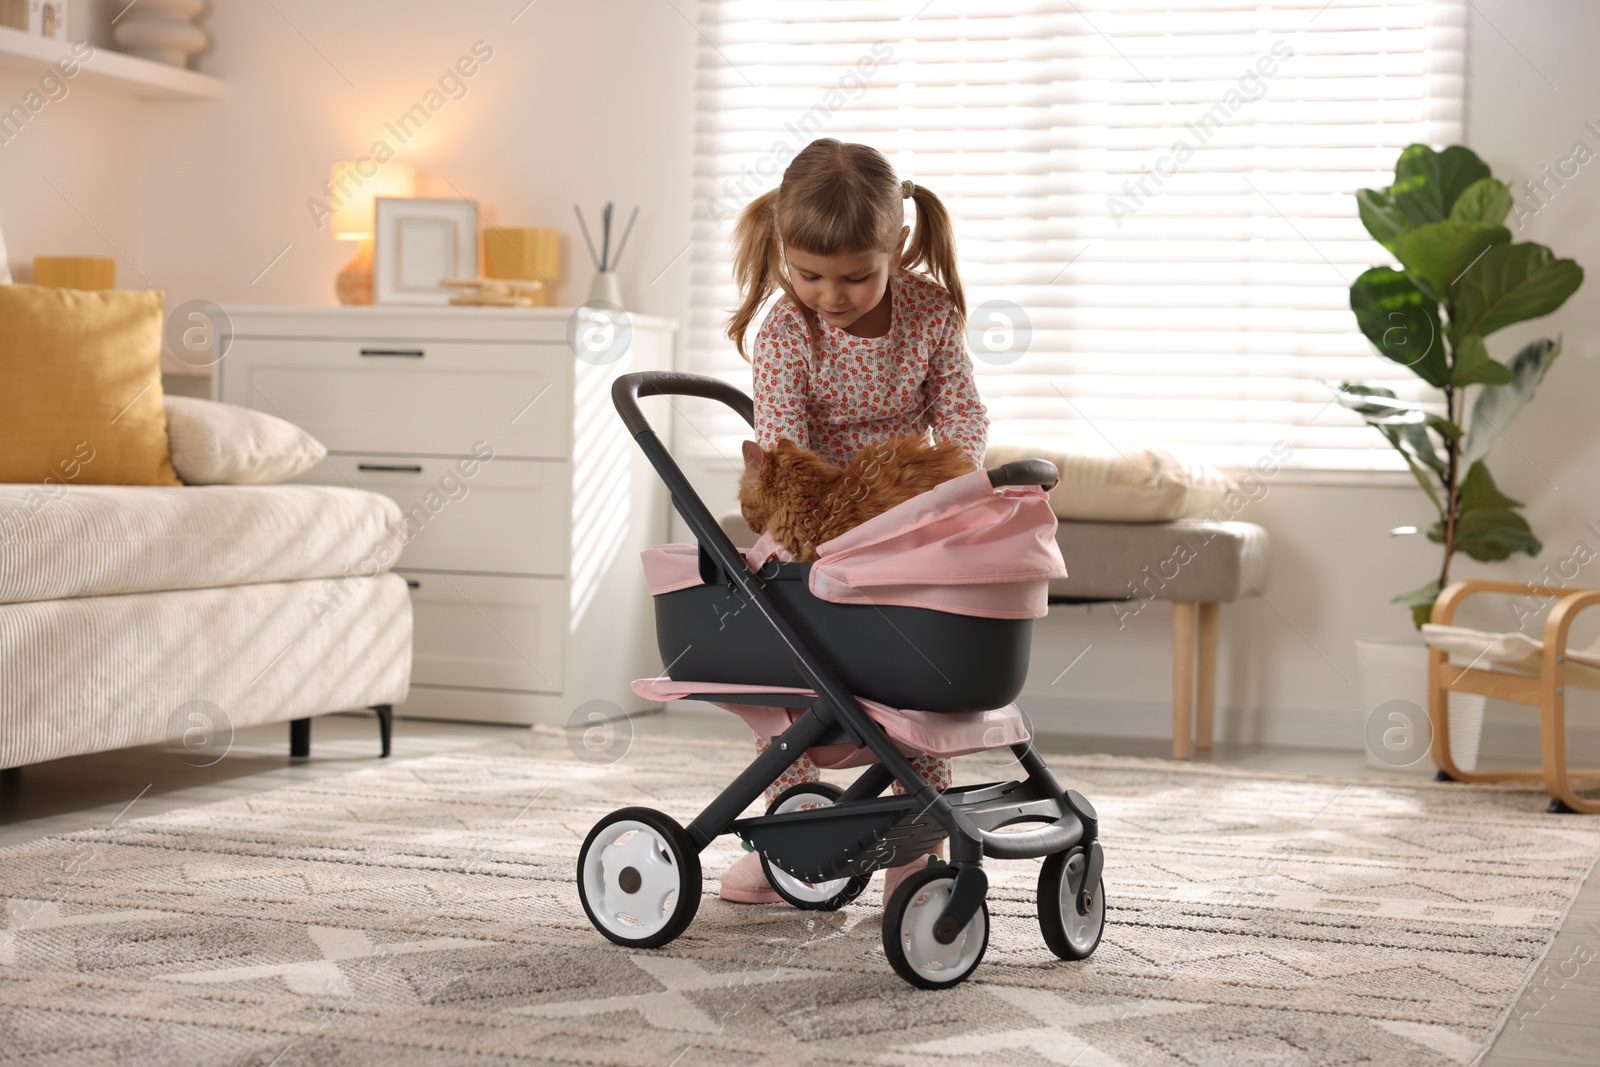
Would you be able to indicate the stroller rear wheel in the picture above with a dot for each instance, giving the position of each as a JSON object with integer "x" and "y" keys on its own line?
{"x": 909, "y": 921}
{"x": 639, "y": 877}
{"x": 829, "y": 895}
{"x": 1071, "y": 923}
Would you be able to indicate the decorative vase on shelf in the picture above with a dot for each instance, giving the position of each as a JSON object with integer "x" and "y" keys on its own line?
{"x": 605, "y": 289}
{"x": 161, "y": 30}
{"x": 1393, "y": 676}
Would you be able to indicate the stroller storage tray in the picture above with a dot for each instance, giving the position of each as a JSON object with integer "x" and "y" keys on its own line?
{"x": 861, "y": 836}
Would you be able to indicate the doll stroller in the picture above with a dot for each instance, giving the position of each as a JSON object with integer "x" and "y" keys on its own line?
{"x": 927, "y": 606}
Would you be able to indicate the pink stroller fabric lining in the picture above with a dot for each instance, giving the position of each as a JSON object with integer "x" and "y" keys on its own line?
{"x": 914, "y": 733}
{"x": 963, "y": 547}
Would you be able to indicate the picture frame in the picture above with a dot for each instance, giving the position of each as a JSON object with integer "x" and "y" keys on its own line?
{"x": 48, "y": 19}
{"x": 419, "y": 242}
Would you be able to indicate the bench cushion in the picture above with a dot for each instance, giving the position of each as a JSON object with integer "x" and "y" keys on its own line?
{"x": 1204, "y": 562}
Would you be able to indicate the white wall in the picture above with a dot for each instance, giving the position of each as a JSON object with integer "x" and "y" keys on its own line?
{"x": 580, "y": 102}
{"x": 593, "y": 100}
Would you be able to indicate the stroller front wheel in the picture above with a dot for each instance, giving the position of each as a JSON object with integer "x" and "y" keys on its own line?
{"x": 639, "y": 877}
{"x": 1071, "y": 933}
{"x": 909, "y": 921}
{"x": 829, "y": 895}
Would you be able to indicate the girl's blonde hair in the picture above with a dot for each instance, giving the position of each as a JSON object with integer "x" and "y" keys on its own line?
{"x": 835, "y": 198}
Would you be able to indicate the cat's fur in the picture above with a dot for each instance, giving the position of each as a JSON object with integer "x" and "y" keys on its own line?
{"x": 803, "y": 500}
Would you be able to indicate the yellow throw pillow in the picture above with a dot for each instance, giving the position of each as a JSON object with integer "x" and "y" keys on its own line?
{"x": 80, "y": 387}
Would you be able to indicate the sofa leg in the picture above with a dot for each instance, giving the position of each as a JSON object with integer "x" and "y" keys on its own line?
{"x": 385, "y": 725}
{"x": 10, "y": 778}
{"x": 299, "y": 738}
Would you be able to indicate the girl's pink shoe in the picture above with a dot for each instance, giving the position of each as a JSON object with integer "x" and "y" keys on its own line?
{"x": 744, "y": 882}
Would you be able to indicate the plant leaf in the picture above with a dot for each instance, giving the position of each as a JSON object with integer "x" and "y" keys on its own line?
{"x": 1485, "y": 200}
{"x": 1459, "y": 169}
{"x": 1401, "y": 322}
{"x": 1435, "y": 255}
{"x": 1489, "y": 535}
{"x": 1420, "y": 600}
{"x": 1443, "y": 427}
{"x": 1378, "y": 405}
{"x": 1413, "y": 440}
{"x": 1487, "y": 527}
{"x": 1416, "y": 188}
{"x": 1479, "y": 491}
{"x": 1511, "y": 283}
{"x": 1412, "y": 465}
{"x": 1473, "y": 365}
{"x": 1428, "y": 183}
{"x": 1381, "y": 216}
{"x": 1497, "y": 406}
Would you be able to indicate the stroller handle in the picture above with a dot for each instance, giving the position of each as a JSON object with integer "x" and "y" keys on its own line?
{"x": 1025, "y": 472}
{"x": 628, "y": 388}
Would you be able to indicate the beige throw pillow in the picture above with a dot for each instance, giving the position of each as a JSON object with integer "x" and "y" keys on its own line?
{"x": 1141, "y": 485}
{"x": 223, "y": 444}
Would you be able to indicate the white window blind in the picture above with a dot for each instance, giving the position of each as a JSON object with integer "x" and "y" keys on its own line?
{"x": 1204, "y": 308}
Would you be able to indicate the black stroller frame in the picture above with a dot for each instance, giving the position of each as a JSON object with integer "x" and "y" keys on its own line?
{"x": 839, "y": 838}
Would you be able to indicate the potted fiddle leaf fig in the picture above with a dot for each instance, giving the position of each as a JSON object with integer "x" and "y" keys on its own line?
{"x": 1459, "y": 280}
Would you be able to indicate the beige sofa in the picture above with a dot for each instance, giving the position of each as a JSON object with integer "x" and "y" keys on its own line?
{"x": 132, "y": 615}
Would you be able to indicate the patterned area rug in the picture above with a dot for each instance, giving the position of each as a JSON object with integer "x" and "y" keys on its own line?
{"x": 424, "y": 913}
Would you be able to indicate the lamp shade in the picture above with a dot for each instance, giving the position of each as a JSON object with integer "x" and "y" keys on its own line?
{"x": 521, "y": 254}
{"x": 356, "y": 184}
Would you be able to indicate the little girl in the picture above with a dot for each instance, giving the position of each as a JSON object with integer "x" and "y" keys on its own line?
{"x": 862, "y": 347}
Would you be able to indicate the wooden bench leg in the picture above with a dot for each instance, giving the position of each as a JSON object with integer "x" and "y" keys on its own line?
{"x": 1206, "y": 677}
{"x": 1183, "y": 638}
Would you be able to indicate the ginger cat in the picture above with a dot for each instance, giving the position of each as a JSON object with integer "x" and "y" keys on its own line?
{"x": 804, "y": 500}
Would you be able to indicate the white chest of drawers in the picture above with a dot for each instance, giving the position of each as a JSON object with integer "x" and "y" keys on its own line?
{"x": 528, "y": 593}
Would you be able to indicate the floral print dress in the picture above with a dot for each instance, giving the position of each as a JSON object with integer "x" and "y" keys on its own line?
{"x": 915, "y": 379}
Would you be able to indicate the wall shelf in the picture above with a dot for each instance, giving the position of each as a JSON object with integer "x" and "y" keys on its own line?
{"x": 107, "y": 70}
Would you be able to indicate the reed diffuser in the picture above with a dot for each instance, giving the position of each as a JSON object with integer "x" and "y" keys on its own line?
{"x": 605, "y": 289}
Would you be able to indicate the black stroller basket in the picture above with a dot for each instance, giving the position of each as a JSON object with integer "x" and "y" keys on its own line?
{"x": 639, "y": 871}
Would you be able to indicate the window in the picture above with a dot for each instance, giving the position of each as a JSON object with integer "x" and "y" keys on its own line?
{"x": 1165, "y": 189}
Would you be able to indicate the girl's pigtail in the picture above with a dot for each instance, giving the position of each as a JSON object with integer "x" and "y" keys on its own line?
{"x": 933, "y": 244}
{"x": 758, "y": 270}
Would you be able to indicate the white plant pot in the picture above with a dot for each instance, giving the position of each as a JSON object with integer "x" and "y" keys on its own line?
{"x": 1393, "y": 675}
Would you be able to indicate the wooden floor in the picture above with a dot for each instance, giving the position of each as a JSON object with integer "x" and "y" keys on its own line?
{"x": 1557, "y": 1022}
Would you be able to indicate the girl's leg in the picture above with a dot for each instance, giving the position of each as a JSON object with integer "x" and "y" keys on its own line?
{"x": 801, "y": 770}
{"x": 744, "y": 882}
{"x": 939, "y": 774}
{"x": 936, "y": 769}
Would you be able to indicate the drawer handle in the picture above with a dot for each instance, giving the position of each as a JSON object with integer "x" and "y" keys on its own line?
{"x": 412, "y": 583}
{"x": 393, "y": 468}
{"x": 404, "y": 353}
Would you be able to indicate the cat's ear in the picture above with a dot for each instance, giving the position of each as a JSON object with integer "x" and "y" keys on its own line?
{"x": 753, "y": 456}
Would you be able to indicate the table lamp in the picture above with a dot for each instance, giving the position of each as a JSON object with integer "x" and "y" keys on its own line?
{"x": 355, "y": 185}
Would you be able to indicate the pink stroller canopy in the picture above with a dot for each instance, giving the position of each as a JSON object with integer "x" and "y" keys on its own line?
{"x": 963, "y": 547}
